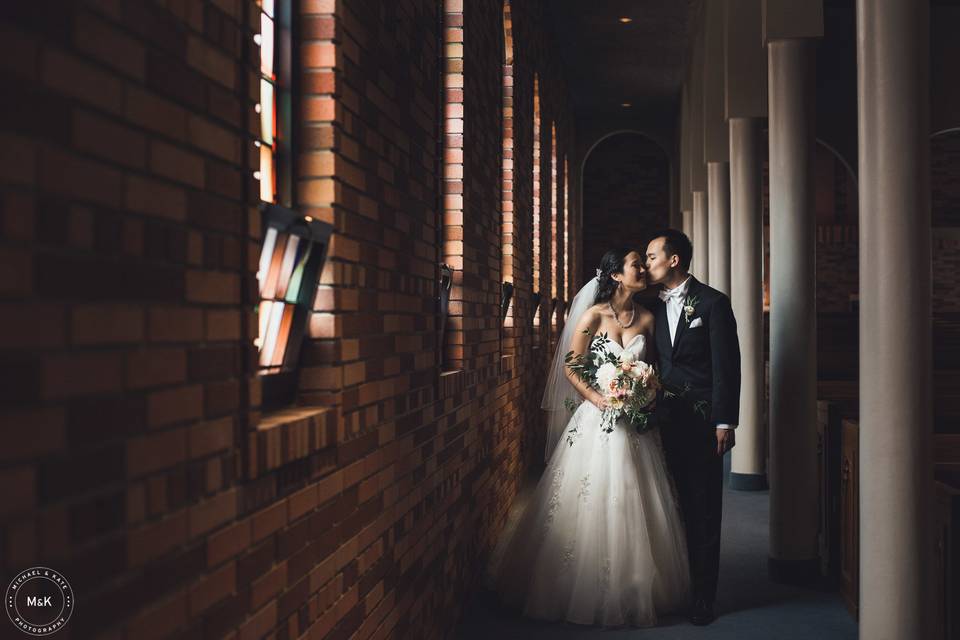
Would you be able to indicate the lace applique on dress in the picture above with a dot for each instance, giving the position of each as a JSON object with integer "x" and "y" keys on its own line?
{"x": 584, "y": 493}
{"x": 604, "y": 576}
{"x": 567, "y": 557}
{"x": 554, "y": 502}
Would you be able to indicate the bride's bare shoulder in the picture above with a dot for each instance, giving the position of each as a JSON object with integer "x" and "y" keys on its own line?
{"x": 591, "y": 317}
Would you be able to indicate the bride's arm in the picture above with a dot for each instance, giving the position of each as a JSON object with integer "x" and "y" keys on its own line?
{"x": 580, "y": 344}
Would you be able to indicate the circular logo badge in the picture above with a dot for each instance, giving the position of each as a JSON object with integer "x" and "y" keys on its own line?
{"x": 39, "y": 601}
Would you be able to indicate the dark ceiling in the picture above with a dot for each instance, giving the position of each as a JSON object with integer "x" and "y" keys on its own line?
{"x": 609, "y": 63}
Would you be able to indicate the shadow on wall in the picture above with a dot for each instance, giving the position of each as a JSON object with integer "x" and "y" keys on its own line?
{"x": 626, "y": 195}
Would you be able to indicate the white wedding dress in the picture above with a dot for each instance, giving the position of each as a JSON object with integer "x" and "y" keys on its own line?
{"x": 602, "y": 540}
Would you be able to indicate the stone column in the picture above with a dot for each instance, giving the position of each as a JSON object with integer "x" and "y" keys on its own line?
{"x": 700, "y": 265}
{"x": 896, "y": 487}
{"x": 688, "y": 223}
{"x": 718, "y": 201}
{"x": 748, "y": 466}
{"x": 793, "y": 371}
{"x": 745, "y": 59}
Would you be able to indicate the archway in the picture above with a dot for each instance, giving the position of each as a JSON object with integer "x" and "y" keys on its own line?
{"x": 625, "y": 194}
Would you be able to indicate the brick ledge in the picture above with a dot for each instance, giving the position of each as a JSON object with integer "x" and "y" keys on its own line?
{"x": 288, "y": 435}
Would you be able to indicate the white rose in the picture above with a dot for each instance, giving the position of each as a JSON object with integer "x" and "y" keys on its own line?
{"x": 627, "y": 357}
{"x": 606, "y": 374}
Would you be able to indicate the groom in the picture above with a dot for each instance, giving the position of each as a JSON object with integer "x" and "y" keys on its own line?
{"x": 699, "y": 360}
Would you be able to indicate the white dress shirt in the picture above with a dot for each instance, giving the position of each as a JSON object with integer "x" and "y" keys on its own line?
{"x": 674, "y": 299}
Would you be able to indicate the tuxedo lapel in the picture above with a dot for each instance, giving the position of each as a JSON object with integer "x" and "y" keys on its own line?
{"x": 662, "y": 330}
{"x": 682, "y": 323}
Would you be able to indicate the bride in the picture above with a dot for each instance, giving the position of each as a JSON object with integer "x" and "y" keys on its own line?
{"x": 602, "y": 540}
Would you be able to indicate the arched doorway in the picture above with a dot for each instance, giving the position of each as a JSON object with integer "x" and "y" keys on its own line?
{"x": 626, "y": 194}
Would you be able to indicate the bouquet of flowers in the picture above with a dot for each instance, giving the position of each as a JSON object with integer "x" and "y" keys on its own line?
{"x": 628, "y": 385}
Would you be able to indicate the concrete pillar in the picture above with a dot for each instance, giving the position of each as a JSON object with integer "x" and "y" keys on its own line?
{"x": 700, "y": 265}
{"x": 749, "y": 463}
{"x": 718, "y": 203}
{"x": 896, "y": 487}
{"x": 793, "y": 371}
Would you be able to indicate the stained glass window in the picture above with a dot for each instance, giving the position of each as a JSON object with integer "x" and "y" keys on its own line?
{"x": 289, "y": 256}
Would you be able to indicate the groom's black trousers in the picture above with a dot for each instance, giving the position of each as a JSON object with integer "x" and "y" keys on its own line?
{"x": 690, "y": 447}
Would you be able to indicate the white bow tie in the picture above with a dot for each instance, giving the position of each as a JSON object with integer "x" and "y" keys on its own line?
{"x": 671, "y": 294}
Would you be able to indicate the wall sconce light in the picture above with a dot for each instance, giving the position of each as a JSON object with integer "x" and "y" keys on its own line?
{"x": 506, "y": 293}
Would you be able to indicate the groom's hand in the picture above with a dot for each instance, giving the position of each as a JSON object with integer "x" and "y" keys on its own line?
{"x": 726, "y": 438}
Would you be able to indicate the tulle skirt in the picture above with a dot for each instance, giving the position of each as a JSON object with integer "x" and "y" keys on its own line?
{"x": 602, "y": 540}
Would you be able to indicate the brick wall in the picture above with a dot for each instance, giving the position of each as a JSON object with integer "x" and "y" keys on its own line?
{"x": 124, "y": 208}
{"x": 626, "y": 196}
{"x": 151, "y": 478}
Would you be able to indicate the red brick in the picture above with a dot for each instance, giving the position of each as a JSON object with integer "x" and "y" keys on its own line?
{"x": 155, "y": 113}
{"x": 153, "y": 452}
{"x": 21, "y": 546}
{"x": 269, "y": 520}
{"x": 210, "y": 437}
{"x": 161, "y": 620}
{"x": 153, "y": 367}
{"x": 213, "y": 138}
{"x": 228, "y": 542}
{"x": 80, "y": 228}
{"x": 46, "y": 428}
{"x": 18, "y": 159}
{"x": 31, "y": 325}
{"x": 110, "y": 46}
{"x": 302, "y": 502}
{"x": 223, "y": 325}
{"x": 268, "y": 586}
{"x": 154, "y": 539}
{"x": 18, "y": 210}
{"x": 78, "y": 79}
{"x": 177, "y": 164}
{"x": 79, "y": 373}
{"x": 155, "y": 198}
{"x": 19, "y": 490}
{"x": 212, "y": 588}
{"x": 173, "y": 324}
{"x": 213, "y": 287}
{"x": 18, "y": 52}
{"x": 87, "y": 180}
{"x": 211, "y": 62}
{"x": 211, "y": 513}
{"x": 174, "y": 405}
{"x": 16, "y": 271}
{"x": 106, "y": 324}
{"x": 260, "y": 624}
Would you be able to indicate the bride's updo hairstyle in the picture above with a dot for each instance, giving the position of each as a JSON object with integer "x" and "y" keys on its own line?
{"x": 611, "y": 263}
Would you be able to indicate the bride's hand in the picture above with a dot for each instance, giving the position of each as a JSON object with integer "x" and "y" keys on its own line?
{"x": 600, "y": 402}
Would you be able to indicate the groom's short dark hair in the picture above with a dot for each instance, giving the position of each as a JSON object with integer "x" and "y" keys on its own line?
{"x": 676, "y": 243}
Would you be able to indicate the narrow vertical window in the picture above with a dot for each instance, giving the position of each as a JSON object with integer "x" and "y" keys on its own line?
{"x": 294, "y": 247}
{"x": 536, "y": 205}
{"x": 453, "y": 123}
{"x": 554, "y": 229}
{"x": 568, "y": 279}
{"x": 506, "y": 224}
{"x": 280, "y": 254}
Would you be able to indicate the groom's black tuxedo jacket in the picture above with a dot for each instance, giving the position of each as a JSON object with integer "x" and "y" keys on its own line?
{"x": 704, "y": 359}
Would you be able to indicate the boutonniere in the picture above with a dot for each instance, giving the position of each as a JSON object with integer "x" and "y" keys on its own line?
{"x": 690, "y": 307}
